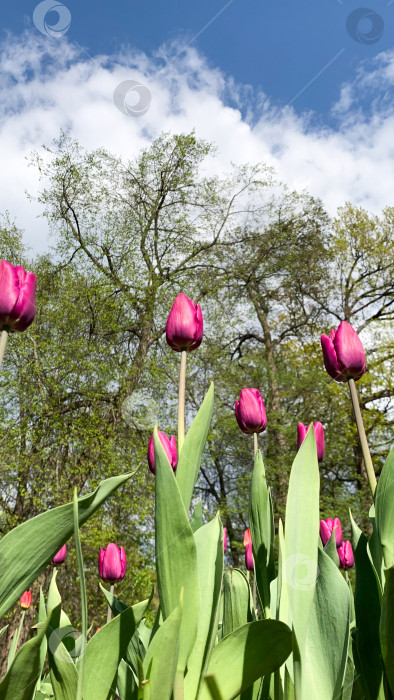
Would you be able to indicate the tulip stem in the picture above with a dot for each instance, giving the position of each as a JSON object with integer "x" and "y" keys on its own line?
{"x": 181, "y": 402}
{"x": 109, "y": 611}
{"x": 363, "y": 438}
{"x": 254, "y": 589}
{"x": 255, "y": 444}
{"x": 3, "y": 343}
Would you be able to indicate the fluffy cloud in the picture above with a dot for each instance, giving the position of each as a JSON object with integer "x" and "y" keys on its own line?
{"x": 51, "y": 84}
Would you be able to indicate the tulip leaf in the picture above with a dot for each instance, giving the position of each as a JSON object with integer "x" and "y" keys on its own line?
{"x": 261, "y": 520}
{"x": 160, "y": 661}
{"x": 387, "y": 626}
{"x": 27, "y": 549}
{"x": 375, "y": 551}
{"x": 61, "y": 656}
{"x": 299, "y": 568}
{"x": 331, "y": 548}
{"x": 193, "y": 447}
{"x": 176, "y": 554}
{"x": 326, "y": 649}
{"x": 250, "y": 652}
{"x": 237, "y": 601}
{"x": 127, "y": 683}
{"x": 367, "y": 610}
{"x": 196, "y": 519}
{"x": 384, "y": 510}
{"x": 209, "y": 543}
{"x": 103, "y": 654}
{"x": 21, "y": 678}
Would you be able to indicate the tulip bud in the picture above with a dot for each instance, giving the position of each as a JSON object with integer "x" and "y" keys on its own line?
{"x": 60, "y": 557}
{"x": 25, "y": 600}
{"x": 184, "y": 327}
{"x": 17, "y": 297}
{"x": 249, "y": 557}
{"x": 343, "y": 353}
{"x": 247, "y": 537}
{"x": 112, "y": 563}
{"x": 169, "y": 448}
{"x": 319, "y": 437}
{"x": 224, "y": 539}
{"x": 346, "y": 557}
{"x": 326, "y": 529}
{"x": 250, "y": 411}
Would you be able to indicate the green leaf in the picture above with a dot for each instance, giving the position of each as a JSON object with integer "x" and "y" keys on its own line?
{"x": 326, "y": 650}
{"x": 262, "y": 530}
{"x": 160, "y": 661}
{"x": 193, "y": 447}
{"x": 367, "y": 610}
{"x": 209, "y": 543}
{"x": 196, "y": 519}
{"x": 301, "y": 539}
{"x": 21, "y": 678}
{"x": 248, "y": 653}
{"x": 387, "y": 627}
{"x": 375, "y": 550}
{"x": 127, "y": 683}
{"x": 28, "y": 549}
{"x": 331, "y": 549}
{"x": 61, "y": 656}
{"x": 384, "y": 510}
{"x": 176, "y": 555}
{"x": 237, "y": 601}
{"x": 103, "y": 654}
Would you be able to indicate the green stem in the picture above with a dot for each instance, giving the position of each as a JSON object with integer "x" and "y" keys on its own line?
{"x": 15, "y": 640}
{"x": 3, "y": 343}
{"x": 254, "y": 591}
{"x": 181, "y": 402}
{"x": 109, "y": 611}
{"x": 255, "y": 444}
{"x": 84, "y": 606}
{"x": 363, "y": 438}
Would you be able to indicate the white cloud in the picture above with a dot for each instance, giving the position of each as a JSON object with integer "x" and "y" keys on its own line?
{"x": 48, "y": 84}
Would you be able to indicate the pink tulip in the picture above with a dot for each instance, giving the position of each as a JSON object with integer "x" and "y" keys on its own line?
{"x": 326, "y": 529}
{"x": 346, "y": 556}
{"x": 224, "y": 539}
{"x": 343, "y": 353}
{"x": 250, "y": 411}
{"x": 184, "y": 327}
{"x": 247, "y": 537}
{"x": 25, "y": 600}
{"x": 249, "y": 557}
{"x": 60, "y": 557}
{"x": 17, "y": 297}
{"x": 112, "y": 563}
{"x": 319, "y": 436}
{"x": 169, "y": 448}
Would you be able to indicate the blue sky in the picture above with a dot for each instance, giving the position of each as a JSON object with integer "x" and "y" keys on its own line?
{"x": 307, "y": 87}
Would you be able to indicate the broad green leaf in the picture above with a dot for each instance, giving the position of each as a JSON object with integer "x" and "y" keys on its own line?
{"x": 62, "y": 656}
{"x": 248, "y": 653}
{"x": 196, "y": 519}
{"x": 384, "y": 510}
{"x": 209, "y": 543}
{"x": 262, "y": 530}
{"x": 127, "y": 682}
{"x": 103, "y": 654}
{"x": 301, "y": 540}
{"x": 375, "y": 551}
{"x": 176, "y": 555}
{"x": 326, "y": 649}
{"x": 387, "y": 627}
{"x": 367, "y": 609}
{"x": 160, "y": 662}
{"x": 331, "y": 548}
{"x": 237, "y": 601}
{"x": 21, "y": 678}
{"x": 190, "y": 458}
{"x": 28, "y": 548}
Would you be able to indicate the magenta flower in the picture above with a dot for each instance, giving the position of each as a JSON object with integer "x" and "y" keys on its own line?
{"x": 184, "y": 327}
{"x": 25, "y": 600}
{"x": 346, "y": 556}
{"x": 169, "y": 448}
{"x": 343, "y": 353}
{"x": 17, "y": 297}
{"x": 326, "y": 529}
{"x": 319, "y": 436}
{"x": 249, "y": 557}
{"x": 224, "y": 539}
{"x": 60, "y": 557}
{"x": 112, "y": 563}
{"x": 250, "y": 412}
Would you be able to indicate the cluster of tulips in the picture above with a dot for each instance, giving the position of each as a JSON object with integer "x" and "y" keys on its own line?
{"x": 299, "y": 632}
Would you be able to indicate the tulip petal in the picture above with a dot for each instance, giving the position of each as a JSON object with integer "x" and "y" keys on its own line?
{"x": 9, "y": 290}
{"x": 319, "y": 436}
{"x": 184, "y": 327}
{"x": 301, "y": 434}
{"x": 349, "y": 351}
{"x": 330, "y": 359}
